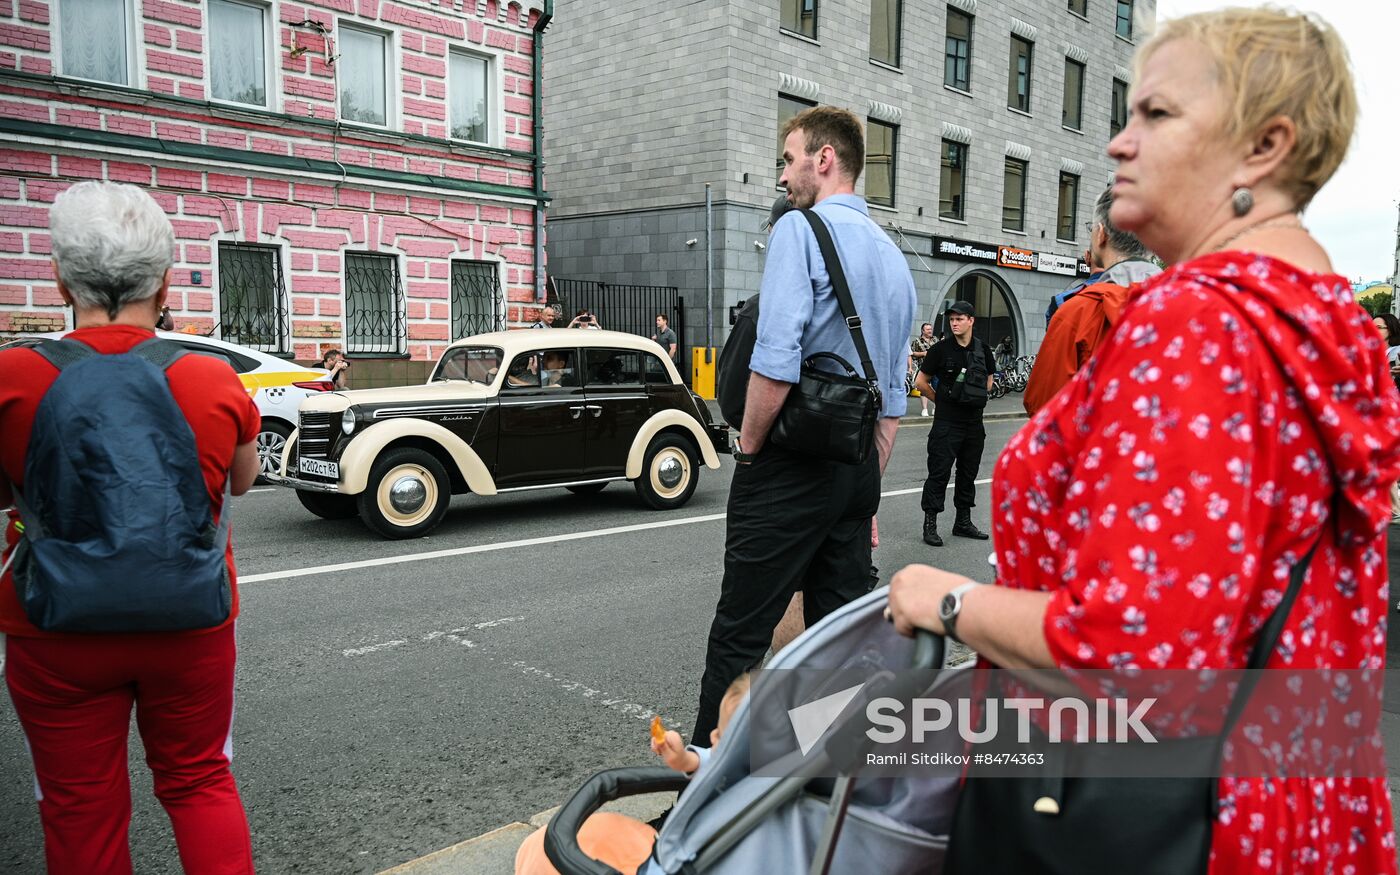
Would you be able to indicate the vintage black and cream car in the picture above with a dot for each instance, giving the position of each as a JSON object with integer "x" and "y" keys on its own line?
{"x": 504, "y": 412}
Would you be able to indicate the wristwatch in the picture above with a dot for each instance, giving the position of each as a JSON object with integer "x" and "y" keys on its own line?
{"x": 951, "y": 606}
{"x": 740, "y": 456}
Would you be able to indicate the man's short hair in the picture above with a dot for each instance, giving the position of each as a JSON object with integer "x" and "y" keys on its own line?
{"x": 1125, "y": 243}
{"x": 664, "y": 318}
{"x": 835, "y": 127}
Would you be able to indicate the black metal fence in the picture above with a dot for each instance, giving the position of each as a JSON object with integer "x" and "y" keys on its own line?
{"x": 374, "y": 305}
{"x": 621, "y": 307}
{"x": 252, "y": 297}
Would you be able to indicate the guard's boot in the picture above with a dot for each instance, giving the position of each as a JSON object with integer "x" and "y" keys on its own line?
{"x": 931, "y": 530}
{"x": 963, "y": 527}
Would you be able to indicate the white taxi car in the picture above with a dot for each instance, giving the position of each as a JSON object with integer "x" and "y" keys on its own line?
{"x": 276, "y": 385}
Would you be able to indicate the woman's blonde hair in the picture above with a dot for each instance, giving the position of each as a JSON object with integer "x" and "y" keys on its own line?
{"x": 1273, "y": 62}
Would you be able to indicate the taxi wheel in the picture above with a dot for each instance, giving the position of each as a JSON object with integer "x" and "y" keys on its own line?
{"x": 328, "y": 505}
{"x": 669, "y": 472}
{"x": 271, "y": 441}
{"x": 407, "y": 494}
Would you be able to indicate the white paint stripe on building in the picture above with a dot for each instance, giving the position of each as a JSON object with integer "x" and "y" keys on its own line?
{"x": 511, "y": 545}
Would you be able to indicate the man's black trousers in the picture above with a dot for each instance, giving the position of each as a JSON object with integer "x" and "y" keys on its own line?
{"x": 794, "y": 523}
{"x": 950, "y": 442}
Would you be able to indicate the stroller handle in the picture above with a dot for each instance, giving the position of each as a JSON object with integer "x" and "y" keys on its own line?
{"x": 928, "y": 650}
{"x": 561, "y": 835}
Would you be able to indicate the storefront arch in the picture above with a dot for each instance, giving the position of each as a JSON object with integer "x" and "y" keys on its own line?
{"x": 998, "y": 315}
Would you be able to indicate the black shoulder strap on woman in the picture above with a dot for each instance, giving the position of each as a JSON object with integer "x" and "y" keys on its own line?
{"x": 843, "y": 291}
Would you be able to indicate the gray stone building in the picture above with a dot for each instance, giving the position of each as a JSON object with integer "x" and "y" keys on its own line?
{"x": 987, "y": 123}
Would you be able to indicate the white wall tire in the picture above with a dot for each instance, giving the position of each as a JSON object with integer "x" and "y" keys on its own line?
{"x": 670, "y": 472}
{"x": 271, "y": 441}
{"x": 407, "y": 494}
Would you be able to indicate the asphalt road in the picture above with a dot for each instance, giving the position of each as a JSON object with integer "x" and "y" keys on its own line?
{"x": 389, "y": 710}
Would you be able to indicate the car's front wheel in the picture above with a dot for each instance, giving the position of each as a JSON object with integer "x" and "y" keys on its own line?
{"x": 328, "y": 505}
{"x": 669, "y": 472}
{"x": 407, "y": 494}
{"x": 271, "y": 441}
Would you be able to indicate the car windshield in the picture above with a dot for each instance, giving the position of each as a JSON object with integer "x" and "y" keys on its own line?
{"x": 475, "y": 364}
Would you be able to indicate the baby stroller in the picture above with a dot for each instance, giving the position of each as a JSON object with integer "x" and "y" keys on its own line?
{"x": 728, "y": 821}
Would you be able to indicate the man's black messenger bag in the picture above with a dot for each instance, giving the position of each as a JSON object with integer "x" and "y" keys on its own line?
{"x": 830, "y": 415}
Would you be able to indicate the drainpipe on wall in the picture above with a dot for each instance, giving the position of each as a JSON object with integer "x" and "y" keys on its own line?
{"x": 709, "y": 274}
{"x": 537, "y": 76}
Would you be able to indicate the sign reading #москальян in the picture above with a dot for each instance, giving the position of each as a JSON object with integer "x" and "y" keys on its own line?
{"x": 1007, "y": 256}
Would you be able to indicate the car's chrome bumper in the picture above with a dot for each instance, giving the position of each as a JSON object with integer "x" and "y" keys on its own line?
{"x": 297, "y": 483}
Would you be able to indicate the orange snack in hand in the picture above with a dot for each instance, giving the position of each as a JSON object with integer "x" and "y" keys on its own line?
{"x": 658, "y": 732}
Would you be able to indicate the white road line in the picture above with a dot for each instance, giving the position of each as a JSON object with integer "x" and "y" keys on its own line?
{"x": 361, "y": 651}
{"x": 510, "y": 545}
{"x": 267, "y": 489}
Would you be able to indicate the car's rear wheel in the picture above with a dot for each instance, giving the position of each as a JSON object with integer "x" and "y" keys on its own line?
{"x": 669, "y": 472}
{"x": 271, "y": 441}
{"x": 586, "y": 488}
{"x": 328, "y": 505}
{"x": 407, "y": 494}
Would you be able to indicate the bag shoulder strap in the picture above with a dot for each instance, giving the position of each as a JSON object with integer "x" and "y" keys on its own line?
{"x": 842, "y": 290}
{"x": 159, "y": 352}
{"x": 61, "y": 352}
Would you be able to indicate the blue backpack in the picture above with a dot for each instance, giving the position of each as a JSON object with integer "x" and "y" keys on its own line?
{"x": 118, "y": 532}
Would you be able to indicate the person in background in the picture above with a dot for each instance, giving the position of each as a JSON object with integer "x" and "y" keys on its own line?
{"x": 584, "y": 319}
{"x": 1084, "y": 321}
{"x": 1241, "y": 415}
{"x": 74, "y": 692}
{"x": 1389, "y": 327}
{"x": 338, "y": 369}
{"x": 548, "y": 315}
{"x": 166, "y": 322}
{"x": 665, "y": 336}
{"x": 918, "y": 348}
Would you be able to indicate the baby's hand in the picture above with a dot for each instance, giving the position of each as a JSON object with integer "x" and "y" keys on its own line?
{"x": 672, "y": 750}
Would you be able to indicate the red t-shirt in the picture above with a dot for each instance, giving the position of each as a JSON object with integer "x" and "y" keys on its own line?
{"x": 214, "y": 402}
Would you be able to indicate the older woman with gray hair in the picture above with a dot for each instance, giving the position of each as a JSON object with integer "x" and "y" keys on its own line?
{"x": 1223, "y": 460}
{"x": 74, "y": 682}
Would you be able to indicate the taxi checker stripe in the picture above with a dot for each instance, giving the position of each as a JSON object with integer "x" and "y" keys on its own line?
{"x": 508, "y": 545}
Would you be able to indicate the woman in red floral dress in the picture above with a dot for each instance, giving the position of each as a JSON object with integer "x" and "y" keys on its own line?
{"x": 1149, "y": 515}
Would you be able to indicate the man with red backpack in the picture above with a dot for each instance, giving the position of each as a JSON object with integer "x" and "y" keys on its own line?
{"x": 118, "y": 587}
{"x": 1086, "y": 319}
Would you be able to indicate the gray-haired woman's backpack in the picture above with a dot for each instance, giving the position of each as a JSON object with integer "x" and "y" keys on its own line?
{"x": 118, "y": 532}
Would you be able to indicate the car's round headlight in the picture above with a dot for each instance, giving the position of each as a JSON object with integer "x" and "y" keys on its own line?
{"x": 347, "y": 421}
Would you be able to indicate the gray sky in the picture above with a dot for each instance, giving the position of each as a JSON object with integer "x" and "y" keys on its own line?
{"x": 1354, "y": 216}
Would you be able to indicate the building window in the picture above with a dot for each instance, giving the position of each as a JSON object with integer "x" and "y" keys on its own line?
{"x": 238, "y": 52}
{"x": 1068, "y": 215}
{"x": 374, "y": 312}
{"x": 1119, "y": 120}
{"x": 885, "y": 18}
{"x": 800, "y": 16}
{"x": 476, "y": 298}
{"x": 952, "y": 186}
{"x": 252, "y": 297}
{"x": 1013, "y": 196}
{"x": 880, "y": 139}
{"x": 362, "y": 68}
{"x": 1018, "y": 82}
{"x": 96, "y": 40}
{"x": 471, "y": 102}
{"x": 957, "y": 50}
{"x": 1125, "y": 19}
{"x": 1079, "y": 7}
{"x": 787, "y": 108}
{"x": 1072, "y": 113}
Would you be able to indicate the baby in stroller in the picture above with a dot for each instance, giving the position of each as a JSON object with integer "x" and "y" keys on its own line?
{"x": 624, "y": 842}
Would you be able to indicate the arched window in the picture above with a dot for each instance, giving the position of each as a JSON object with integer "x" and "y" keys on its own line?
{"x": 995, "y": 321}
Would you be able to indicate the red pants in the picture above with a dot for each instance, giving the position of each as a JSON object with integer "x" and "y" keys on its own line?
{"x": 74, "y": 700}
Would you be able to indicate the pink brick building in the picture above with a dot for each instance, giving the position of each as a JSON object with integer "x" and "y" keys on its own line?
{"x": 360, "y": 174}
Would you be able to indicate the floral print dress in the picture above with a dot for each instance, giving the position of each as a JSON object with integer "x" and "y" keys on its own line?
{"x": 1165, "y": 493}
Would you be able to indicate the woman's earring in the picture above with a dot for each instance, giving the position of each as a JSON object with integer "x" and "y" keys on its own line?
{"x": 1242, "y": 201}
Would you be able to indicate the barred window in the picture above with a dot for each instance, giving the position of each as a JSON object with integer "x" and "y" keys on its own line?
{"x": 476, "y": 298}
{"x": 252, "y": 297}
{"x": 374, "y": 305}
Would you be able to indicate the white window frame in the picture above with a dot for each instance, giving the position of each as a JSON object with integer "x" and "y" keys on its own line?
{"x": 495, "y": 95}
{"x": 135, "y": 55}
{"x": 393, "y": 92}
{"x": 271, "y": 54}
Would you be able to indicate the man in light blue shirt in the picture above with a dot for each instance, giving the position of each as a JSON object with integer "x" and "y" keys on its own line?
{"x": 796, "y": 523}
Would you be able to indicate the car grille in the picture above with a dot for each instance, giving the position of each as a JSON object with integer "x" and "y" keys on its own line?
{"x": 314, "y": 441}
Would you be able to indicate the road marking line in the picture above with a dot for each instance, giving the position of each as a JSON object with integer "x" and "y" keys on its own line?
{"x": 511, "y": 545}
{"x": 630, "y": 709}
{"x": 266, "y": 489}
{"x": 361, "y": 651}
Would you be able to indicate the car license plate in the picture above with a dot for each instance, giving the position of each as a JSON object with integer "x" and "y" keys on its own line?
{"x": 319, "y": 468}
